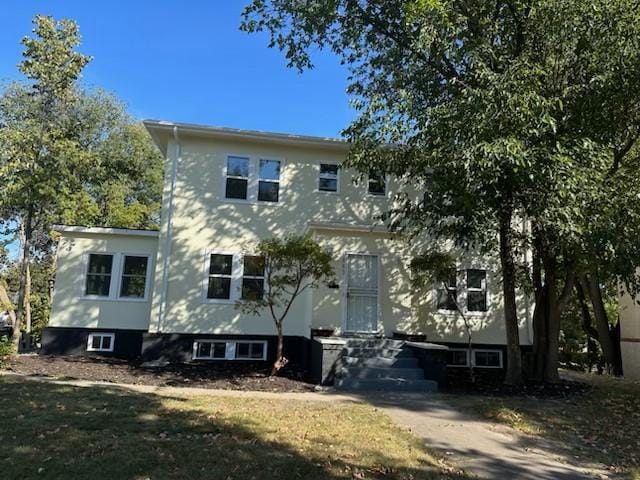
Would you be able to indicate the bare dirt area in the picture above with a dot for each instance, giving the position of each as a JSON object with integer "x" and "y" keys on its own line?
{"x": 239, "y": 376}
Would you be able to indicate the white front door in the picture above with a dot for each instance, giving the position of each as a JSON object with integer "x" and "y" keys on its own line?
{"x": 361, "y": 273}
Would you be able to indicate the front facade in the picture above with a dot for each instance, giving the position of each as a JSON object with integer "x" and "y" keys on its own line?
{"x": 171, "y": 295}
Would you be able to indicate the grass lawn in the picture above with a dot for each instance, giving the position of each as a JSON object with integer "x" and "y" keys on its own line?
{"x": 603, "y": 425}
{"x": 61, "y": 432}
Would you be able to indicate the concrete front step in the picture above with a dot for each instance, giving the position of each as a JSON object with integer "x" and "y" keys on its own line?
{"x": 380, "y": 372}
{"x": 377, "y": 352}
{"x": 379, "y": 362}
{"x": 385, "y": 384}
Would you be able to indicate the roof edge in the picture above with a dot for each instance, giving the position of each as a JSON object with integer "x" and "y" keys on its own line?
{"x": 105, "y": 231}
{"x": 159, "y": 128}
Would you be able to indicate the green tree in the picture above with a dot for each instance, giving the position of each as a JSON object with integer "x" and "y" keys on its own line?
{"x": 508, "y": 116}
{"x": 292, "y": 265}
{"x": 67, "y": 156}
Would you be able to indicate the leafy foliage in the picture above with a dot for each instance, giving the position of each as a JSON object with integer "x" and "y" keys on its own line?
{"x": 292, "y": 265}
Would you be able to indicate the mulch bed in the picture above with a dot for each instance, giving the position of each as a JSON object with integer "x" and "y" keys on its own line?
{"x": 227, "y": 376}
{"x": 491, "y": 384}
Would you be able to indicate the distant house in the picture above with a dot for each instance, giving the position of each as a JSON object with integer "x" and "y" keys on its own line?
{"x": 170, "y": 294}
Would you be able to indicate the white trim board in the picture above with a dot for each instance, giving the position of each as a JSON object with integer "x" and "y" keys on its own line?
{"x": 105, "y": 231}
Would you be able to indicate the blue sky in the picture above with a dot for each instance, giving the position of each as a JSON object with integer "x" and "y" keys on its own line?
{"x": 187, "y": 61}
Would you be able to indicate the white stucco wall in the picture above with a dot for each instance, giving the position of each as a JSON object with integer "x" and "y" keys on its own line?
{"x": 630, "y": 337}
{"x": 70, "y": 306}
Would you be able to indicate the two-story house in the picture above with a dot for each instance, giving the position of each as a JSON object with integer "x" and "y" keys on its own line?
{"x": 171, "y": 294}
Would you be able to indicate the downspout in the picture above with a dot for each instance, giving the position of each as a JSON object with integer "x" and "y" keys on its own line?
{"x": 167, "y": 247}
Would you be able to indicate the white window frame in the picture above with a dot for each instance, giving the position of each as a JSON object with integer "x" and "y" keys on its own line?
{"x": 473, "y": 357}
{"x": 268, "y": 180}
{"x": 230, "y": 349}
{"x": 116, "y": 277}
{"x": 468, "y": 289}
{"x": 113, "y": 280}
{"x": 253, "y": 180}
{"x": 145, "y": 297}
{"x": 466, "y": 352}
{"x": 102, "y": 335}
{"x": 329, "y": 177}
{"x": 226, "y": 175}
{"x": 461, "y": 288}
{"x": 385, "y": 178}
{"x": 253, "y": 277}
{"x": 487, "y": 350}
{"x": 236, "y": 277}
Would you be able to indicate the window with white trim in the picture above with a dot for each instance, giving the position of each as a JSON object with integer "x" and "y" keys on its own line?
{"x": 220, "y": 276}
{"x": 487, "y": 358}
{"x": 229, "y": 350}
{"x": 377, "y": 184}
{"x": 99, "y": 270}
{"x": 447, "y": 292}
{"x": 328, "y": 177}
{"x": 133, "y": 281}
{"x": 100, "y": 342}
{"x": 269, "y": 180}
{"x": 457, "y": 357}
{"x": 237, "y": 178}
{"x": 252, "y": 277}
{"x": 476, "y": 290}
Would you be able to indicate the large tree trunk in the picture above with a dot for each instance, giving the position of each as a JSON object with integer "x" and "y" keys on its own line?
{"x": 605, "y": 334}
{"x": 23, "y": 316}
{"x": 514, "y": 357}
{"x": 540, "y": 323}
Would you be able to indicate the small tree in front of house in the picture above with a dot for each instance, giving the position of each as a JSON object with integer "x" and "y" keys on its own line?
{"x": 292, "y": 265}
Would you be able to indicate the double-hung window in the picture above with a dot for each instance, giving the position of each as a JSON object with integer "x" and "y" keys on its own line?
{"x": 328, "y": 180}
{"x": 99, "y": 272}
{"x": 237, "y": 178}
{"x": 252, "y": 277}
{"x": 476, "y": 290}
{"x": 377, "y": 184}
{"x": 220, "y": 276}
{"x": 134, "y": 276}
{"x": 447, "y": 292}
{"x": 269, "y": 181}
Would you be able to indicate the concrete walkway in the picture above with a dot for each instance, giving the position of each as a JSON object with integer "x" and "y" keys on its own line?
{"x": 482, "y": 448}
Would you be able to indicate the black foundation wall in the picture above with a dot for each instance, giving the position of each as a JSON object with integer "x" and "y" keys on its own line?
{"x": 73, "y": 341}
{"x": 178, "y": 347}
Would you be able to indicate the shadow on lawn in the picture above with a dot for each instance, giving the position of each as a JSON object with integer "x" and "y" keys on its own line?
{"x": 59, "y": 432}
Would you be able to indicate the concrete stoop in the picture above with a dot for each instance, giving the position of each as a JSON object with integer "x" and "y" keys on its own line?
{"x": 380, "y": 365}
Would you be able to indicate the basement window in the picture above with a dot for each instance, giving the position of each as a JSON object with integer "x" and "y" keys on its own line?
{"x": 229, "y": 350}
{"x": 100, "y": 342}
{"x": 457, "y": 358}
{"x": 487, "y": 358}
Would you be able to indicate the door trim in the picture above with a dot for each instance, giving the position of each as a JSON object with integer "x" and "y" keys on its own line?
{"x": 345, "y": 288}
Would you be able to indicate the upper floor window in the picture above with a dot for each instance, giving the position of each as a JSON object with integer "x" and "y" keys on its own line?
{"x": 476, "y": 290}
{"x": 328, "y": 177}
{"x": 237, "y": 181}
{"x": 98, "y": 280}
{"x": 269, "y": 180}
{"x": 447, "y": 293}
{"x": 377, "y": 184}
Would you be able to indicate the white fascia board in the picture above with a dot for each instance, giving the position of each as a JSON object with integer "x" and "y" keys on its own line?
{"x": 105, "y": 231}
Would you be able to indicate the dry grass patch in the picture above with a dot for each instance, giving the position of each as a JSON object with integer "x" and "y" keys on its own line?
{"x": 52, "y": 431}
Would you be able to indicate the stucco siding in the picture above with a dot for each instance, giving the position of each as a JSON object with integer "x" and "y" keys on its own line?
{"x": 70, "y": 306}
{"x": 630, "y": 336}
